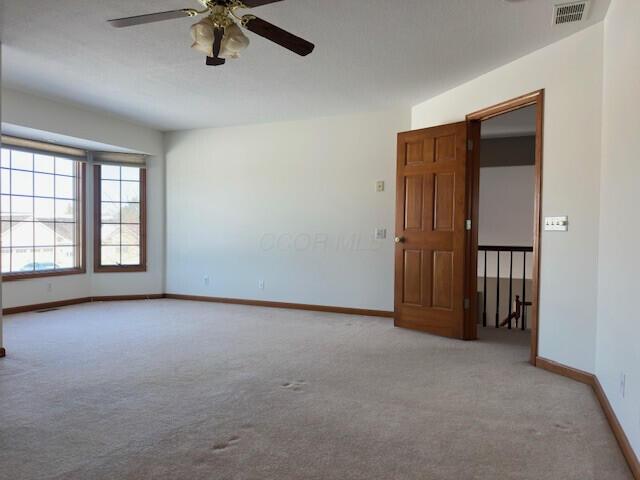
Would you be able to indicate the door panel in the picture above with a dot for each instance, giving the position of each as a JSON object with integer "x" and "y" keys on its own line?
{"x": 443, "y": 280}
{"x": 430, "y": 222}
{"x": 413, "y": 277}
{"x": 414, "y": 201}
{"x": 444, "y": 199}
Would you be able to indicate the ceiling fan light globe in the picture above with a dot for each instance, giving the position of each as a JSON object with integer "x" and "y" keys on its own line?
{"x": 234, "y": 42}
{"x": 202, "y": 35}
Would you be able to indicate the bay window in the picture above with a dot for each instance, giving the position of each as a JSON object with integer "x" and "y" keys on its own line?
{"x": 42, "y": 213}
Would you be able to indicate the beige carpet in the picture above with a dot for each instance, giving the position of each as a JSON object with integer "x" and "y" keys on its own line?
{"x": 176, "y": 390}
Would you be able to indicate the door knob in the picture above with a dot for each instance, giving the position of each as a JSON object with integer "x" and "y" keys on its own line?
{"x": 399, "y": 239}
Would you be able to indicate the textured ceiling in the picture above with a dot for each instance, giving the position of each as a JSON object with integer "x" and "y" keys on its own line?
{"x": 370, "y": 55}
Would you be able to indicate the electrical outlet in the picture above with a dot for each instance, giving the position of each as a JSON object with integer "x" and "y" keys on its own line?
{"x": 261, "y": 284}
{"x": 206, "y": 280}
{"x": 623, "y": 385}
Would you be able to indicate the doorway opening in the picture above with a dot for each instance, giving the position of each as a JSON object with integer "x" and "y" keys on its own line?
{"x": 437, "y": 214}
{"x": 504, "y": 267}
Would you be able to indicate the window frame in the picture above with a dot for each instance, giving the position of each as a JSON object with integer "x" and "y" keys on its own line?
{"x": 81, "y": 223}
{"x": 97, "y": 225}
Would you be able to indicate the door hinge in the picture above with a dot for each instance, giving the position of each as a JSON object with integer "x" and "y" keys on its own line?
{"x": 470, "y": 144}
{"x": 467, "y": 224}
{"x": 467, "y": 304}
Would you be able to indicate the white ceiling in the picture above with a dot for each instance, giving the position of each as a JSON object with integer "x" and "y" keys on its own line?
{"x": 370, "y": 55}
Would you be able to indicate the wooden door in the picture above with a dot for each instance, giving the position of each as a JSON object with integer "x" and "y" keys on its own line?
{"x": 431, "y": 235}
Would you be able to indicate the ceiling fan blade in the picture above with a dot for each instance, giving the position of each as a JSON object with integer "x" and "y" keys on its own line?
{"x": 257, "y": 3}
{"x": 277, "y": 35}
{"x": 152, "y": 17}
{"x": 218, "y": 34}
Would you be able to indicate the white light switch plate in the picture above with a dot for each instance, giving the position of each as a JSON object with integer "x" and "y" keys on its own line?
{"x": 381, "y": 233}
{"x": 380, "y": 186}
{"x": 556, "y": 224}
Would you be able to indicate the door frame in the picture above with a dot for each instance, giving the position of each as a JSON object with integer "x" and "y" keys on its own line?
{"x": 473, "y": 125}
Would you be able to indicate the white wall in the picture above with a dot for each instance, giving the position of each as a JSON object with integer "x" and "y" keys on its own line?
{"x": 618, "y": 345}
{"x": 293, "y": 204}
{"x": 571, "y": 73}
{"x": 35, "y": 112}
{"x": 506, "y": 216}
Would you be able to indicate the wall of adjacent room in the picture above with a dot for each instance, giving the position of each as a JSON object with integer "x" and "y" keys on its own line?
{"x": 506, "y": 215}
{"x": 293, "y": 205}
{"x": 30, "y": 111}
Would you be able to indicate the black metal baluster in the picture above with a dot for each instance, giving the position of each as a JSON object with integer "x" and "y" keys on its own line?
{"x": 498, "y": 290}
{"x": 510, "y": 302}
{"x": 484, "y": 292}
{"x": 524, "y": 290}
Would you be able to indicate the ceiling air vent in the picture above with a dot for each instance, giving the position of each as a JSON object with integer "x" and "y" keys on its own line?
{"x": 570, "y": 12}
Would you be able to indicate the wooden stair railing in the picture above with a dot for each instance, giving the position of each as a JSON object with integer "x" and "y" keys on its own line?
{"x": 517, "y": 309}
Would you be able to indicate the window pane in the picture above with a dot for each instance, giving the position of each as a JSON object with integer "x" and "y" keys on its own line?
{"x": 65, "y": 210}
{"x": 110, "y": 235}
{"x": 5, "y": 180}
{"x": 22, "y": 260}
{"x": 5, "y": 207}
{"x": 64, "y": 166}
{"x": 44, "y": 259}
{"x": 130, "y": 191}
{"x": 130, "y": 213}
{"x": 21, "y": 183}
{"x": 130, "y": 173}
{"x": 64, "y": 187}
{"x": 109, "y": 172}
{"x": 21, "y": 234}
{"x": 43, "y": 209}
{"x": 66, "y": 234}
{"x": 130, "y": 255}
{"x": 6, "y": 158}
{"x": 44, "y": 234}
{"x": 6, "y": 260}
{"x": 43, "y": 184}
{"x": 110, "y": 255}
{"x": 131, "y": 234}
{"x": 110, "y": 191}
{"x": 43, "y": 163}
{"x": 110, "y": 212}
{"x": 21, "y": 208}
{"x": 65, "y": 257}
{"x": 6, "y": 234}
{"x": 21, "y": 160}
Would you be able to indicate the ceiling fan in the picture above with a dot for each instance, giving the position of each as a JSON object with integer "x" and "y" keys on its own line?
{"x": 219, "y": 34}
